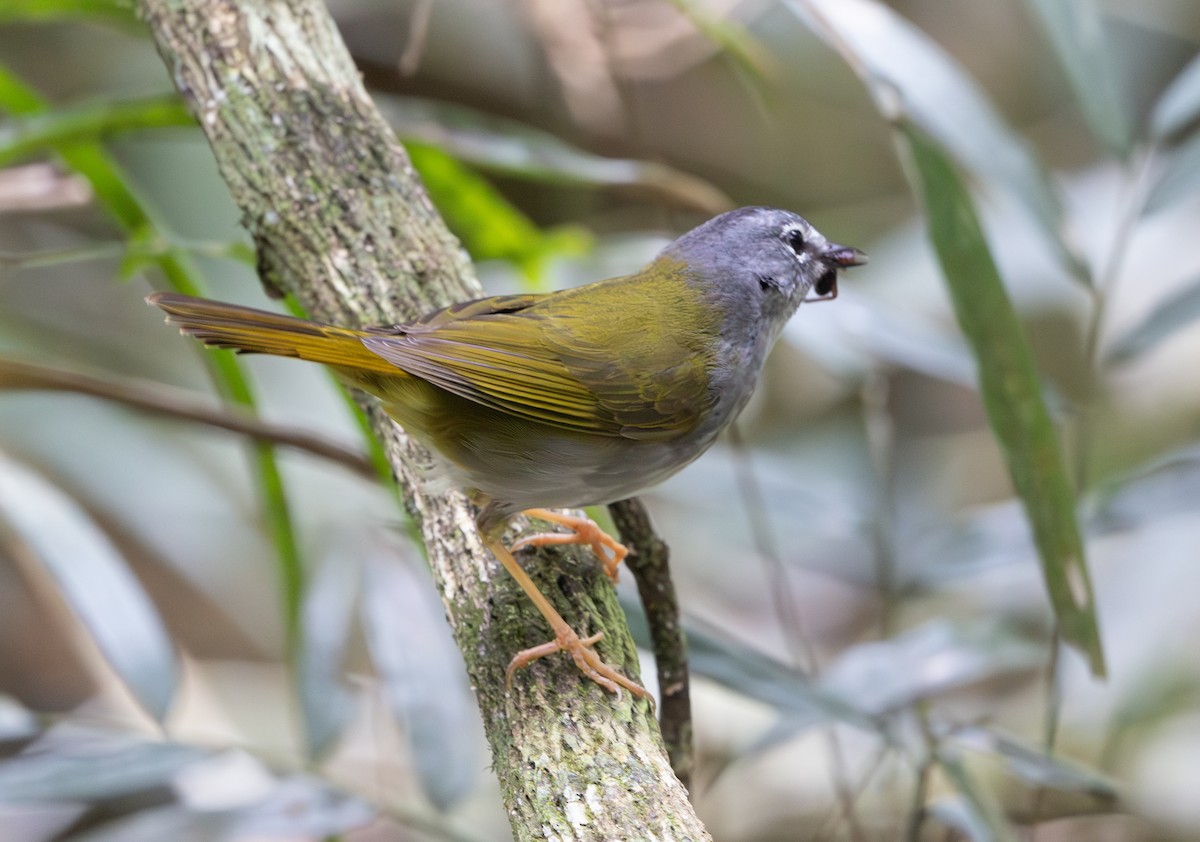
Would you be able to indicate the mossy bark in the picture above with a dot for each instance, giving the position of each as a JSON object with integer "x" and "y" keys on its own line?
{"x": 342, "y": 222}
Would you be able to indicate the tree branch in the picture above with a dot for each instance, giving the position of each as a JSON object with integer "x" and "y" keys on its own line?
{"x": 342, "y": 222}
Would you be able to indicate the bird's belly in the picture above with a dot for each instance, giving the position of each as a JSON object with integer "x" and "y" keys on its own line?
{"x": 521, "y": 464}
{"x": 564, "y": 470}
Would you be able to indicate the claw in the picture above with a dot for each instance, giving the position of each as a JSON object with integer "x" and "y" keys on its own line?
{"x": 584, "y": 530}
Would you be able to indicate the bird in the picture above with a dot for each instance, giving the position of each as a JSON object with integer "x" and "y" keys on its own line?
{"x": 583, "y": 396}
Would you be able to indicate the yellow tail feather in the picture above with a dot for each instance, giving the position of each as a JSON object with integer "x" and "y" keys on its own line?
{"x": 251, "y": 331}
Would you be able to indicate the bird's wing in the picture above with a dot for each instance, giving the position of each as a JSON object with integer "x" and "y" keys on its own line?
{"x": 597, "y": 359}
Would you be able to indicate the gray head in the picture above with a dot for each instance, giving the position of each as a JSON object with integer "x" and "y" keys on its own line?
{"x": 758, "y": 264}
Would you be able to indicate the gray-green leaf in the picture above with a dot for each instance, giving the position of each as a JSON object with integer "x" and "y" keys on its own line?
{"x": 909, "y": 72}
{"x": 1076, "y": 30}
{"x": 93, "y": 579}
{"x": 1179, "y": 104}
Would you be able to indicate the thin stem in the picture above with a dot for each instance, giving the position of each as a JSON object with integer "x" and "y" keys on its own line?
{"x": 880, "y": 435}
{"x": 163, "y": 400}
{"x": 800, "y": 648}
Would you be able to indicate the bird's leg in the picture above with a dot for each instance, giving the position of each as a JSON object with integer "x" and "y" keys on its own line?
{"x": 565, "y": 638}
{"x": 583, "y": 531}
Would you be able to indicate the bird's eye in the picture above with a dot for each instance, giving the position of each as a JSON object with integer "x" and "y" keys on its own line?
{"x": 795, "y": 239}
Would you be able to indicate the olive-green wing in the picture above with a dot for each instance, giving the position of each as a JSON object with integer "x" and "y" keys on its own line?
{"x": 606, "y": 359}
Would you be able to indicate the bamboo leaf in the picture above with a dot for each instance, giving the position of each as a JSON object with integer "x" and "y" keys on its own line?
{"x": 1179, "y": 104}
{"x": 113, "y": 11}
{"x": 326, "y": 625}
{"x": 90, "y": 160}
{"x": 1076, "y": 30}
{"x": 48, "y": 130}
{"x": 1180, "y": 180}
{"x": 975, "y": 811}
{"x": 1170, "y": 316}
{"x": 422, "y": 672}
{"x": 1010, "y": 389}
{"x": 513, "y": 149}
{"x": 1035, "y": 766}
{"x": 906, "y": 71}
{"x": 73, "y": 763}
{"x": 94, "y": 580}
{"x": 933, "y": 659}
{"x": 491, "y": 227}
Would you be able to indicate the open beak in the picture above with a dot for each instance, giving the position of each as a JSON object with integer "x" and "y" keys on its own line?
{"x": 844, "y": 256}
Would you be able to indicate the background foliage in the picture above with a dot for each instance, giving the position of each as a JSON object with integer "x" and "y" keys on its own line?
{"x": 964, "y": 489}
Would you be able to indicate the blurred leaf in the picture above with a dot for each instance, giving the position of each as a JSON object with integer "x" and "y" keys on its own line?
{"x": 851, "y": 340}
{"x": 760, "y": 677}
{"x": 1175, "y": 313}
{"x": 906, "y": 70}
{"x": 933, "y": 659}
{"x": 94, "y": 580}
{"x": 298, "y": 807}
{"x": 1160, "y": 692}
{"x": 489, "y": 225}
{"x": 1034, "y": 766}
{"x": 116, "y": 11}
{"x": 109, "y": 183}
{"x": 1169, "y": 485}
{"x": 16, "y": 722}
{"x": 971, "y": 541}
{"x": 976, "y": 812}
{"x": 1010, "y": 390}
{"x": 41, "y": 132}
{"x": 1076, "y": 30}
{"x": 964, "y": 816}
{"x": 80, "y": 764}
{"x": 423, "y": 673}
{"x": 1180, "y": 179}
{"x": 734, "y": 40}
{"x": 507, "y": 147}
{"x": 326, "y": 623}
{"x": 1179, "y": 104}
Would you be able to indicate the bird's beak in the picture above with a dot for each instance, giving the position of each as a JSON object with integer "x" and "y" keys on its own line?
{"x": 843, "y": 256}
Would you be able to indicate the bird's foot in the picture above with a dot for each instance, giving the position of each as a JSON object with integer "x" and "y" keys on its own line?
{"x": 610, "y": 551}
{"x": 586, "y": 658}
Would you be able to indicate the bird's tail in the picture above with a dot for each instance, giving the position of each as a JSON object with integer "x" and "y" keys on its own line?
{"x": 251, "y": 331}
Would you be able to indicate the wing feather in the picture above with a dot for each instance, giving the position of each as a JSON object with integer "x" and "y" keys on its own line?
{"x": 580, "y": 359}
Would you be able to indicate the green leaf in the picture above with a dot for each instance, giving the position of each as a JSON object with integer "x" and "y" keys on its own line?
{"x": 1076, "y": 30}
{"x": 47, "y": 131}
{"x": 513, "y": 149}
{"x": 94, "y": 580}
{"x": 490, "y": 226}
{"x": 1170, "y": 316}
{"x": 1179, "y": 104}
{"x": 910, "y": 76}
{"x": 422, "y": 672}
{"x": 113, "y": 11}
{"x": 1010, "y": 389}
{"x": 1180, "y": 179}
{"x": 326, "y": 623}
